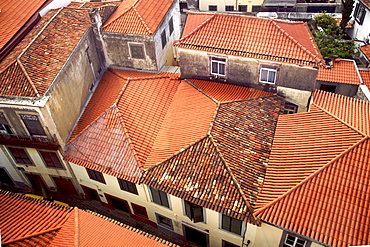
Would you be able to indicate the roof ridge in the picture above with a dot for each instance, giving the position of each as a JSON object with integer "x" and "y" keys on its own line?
{"x": 76, "y": 227}
{"x": 198, "y": 27}
{"x": 314, "y": 174}
{"x": 201, "y": 91}
{"x": 130, "y": 142}
{"x": 28, "y": 77}
{"x": 340, "y": 120}
{"x": 251, "y": 217}
{"x": 294, "y": 40}
{"x": 138, "y": 14}
{"x": 252, "y": 98}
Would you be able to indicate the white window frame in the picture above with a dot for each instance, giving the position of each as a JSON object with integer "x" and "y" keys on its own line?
{"x": 216, "y": 60}
{"x": 268, "y": 72}
{"x": 295, "y": 241}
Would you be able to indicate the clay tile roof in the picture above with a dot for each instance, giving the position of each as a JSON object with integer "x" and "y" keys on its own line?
{"x": 138, "y": 17}
{"x": 319, "y": 171}
{"x": 149, "y": 130}
{"x": 226, "y": 92}
{"x": 25, "y": 221}
{"x": 366, "y": 51}
{"x": 365, "y": 76}
{"x": 14, "y": 15}
{"x": 342, "y": 71}
{"x": 41, "y": 55}
{"x": 238, "y": 35}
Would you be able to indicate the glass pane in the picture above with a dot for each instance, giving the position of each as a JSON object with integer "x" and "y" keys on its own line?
{"x": 214, "y": 67}
{"x": 271, "y": 78}
{"x": 221, "y": 69}
{"x": 264, "y": 73}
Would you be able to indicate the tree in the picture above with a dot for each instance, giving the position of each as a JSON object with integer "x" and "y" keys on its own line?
{"x": 329, "y": 38}
{"x": 347, "y": 8}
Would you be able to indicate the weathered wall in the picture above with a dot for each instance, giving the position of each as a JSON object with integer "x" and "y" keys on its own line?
{"x": 246, "y": 72}
{"x": 117, "y": 46}
{"x": 71, "y": 88}
{"x": 299, "y": 97}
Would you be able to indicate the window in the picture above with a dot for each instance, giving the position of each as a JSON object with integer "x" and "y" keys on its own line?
{"x": 137, "y": 51}
{"x": 33, "y": 125}
{"x": 228, "y": 244}
{"x": 231, "y": 224}
{"x": 159, "y": 197}
{"x": 256, "y": 8}
{"x": 4, "y": 126}
{"x": 212, "y": 7}
{"x": 360, "y": 13}
{"x": 20, "y": 156}
{"x": 194, "y": 212}
{"x": 164, "y": 221}
{"x": 170, "y": 23}
{"x": 51, "y": 159}
{"x": 120, "y": 204}
{"x": 242, "y": 8}
{"x": 95, "y": 175}
{"x": 328, "y": 88}
{"x": 229, "y": 8}
{"x": 291, "y": 241}
{"x": 127, "y": 186}
{"x": 268, "y": 75}
{"x": 164, "y": 39}
{"x": 218, "y": 66}
{"x": 290, "y": 108}
{"x": 139, "y": 210}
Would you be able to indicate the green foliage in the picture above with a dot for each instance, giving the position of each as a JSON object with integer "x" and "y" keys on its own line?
{"x": 347, "y": 7}
{"x": 330, "y": 39}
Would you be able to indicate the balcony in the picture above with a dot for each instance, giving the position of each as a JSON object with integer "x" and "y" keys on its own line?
{"x": 29, "y": 141}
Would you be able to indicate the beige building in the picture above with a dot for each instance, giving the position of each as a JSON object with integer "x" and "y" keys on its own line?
{"x": 230, "y": 5}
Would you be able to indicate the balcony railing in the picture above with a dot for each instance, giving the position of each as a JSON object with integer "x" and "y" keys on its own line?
{"x": 29, "y": 141}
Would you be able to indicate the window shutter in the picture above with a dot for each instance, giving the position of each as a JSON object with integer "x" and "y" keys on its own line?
{"x": 33, "y": 124}
{"x": 226, "y": 222}
{"x": 197, "y": 213}
{"x": 236, "y": 226}
{"x": 188, "y": 209}
{"x": 164, "y": 199}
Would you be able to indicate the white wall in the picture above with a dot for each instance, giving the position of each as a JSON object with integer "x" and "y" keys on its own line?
{"x": 175, "y": 212}
{"x": 360, "y": 32}
{"x": 203, "y": 4}
{"x": 165, "y": 56}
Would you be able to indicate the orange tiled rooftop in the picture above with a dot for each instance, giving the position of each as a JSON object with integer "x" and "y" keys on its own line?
{"x": 341, "y": 71}
{"x": 318, "y": 176}
{"x": 148, "y": 137}
{"x": 137, "y": 17}
{"x": 26, "y": 221}
{"x": 246, "y": 36}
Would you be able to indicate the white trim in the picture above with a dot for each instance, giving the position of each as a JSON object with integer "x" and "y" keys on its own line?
{"x": 268, "y": 73}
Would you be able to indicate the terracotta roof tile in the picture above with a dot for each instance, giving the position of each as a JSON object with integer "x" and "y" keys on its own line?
{"x": 43, "y": 52}
{"x": 247, "y": 36}
{"x": 226, "y": 92}
{"x": 317, "y": 180}
{"x": 365, "y": 76}
{"x": 343, "y": 71}
{"x": 138, "y": 17}
{"x": 366, "y": 51}
{"x": 25, "y": 221}
{"x": 353, "y": 112}
{"x": 15, "y": 14}
{"x": 151, "y": 124}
